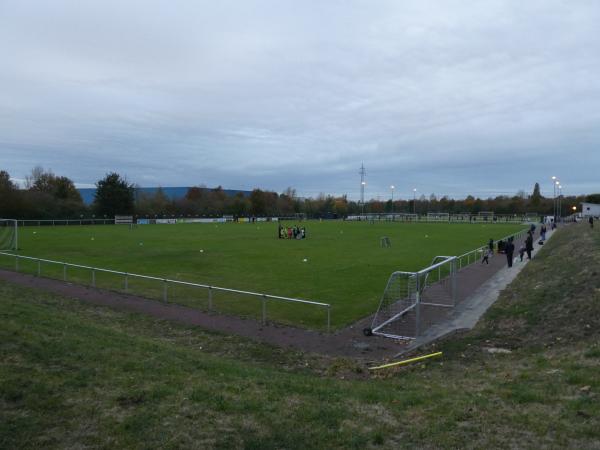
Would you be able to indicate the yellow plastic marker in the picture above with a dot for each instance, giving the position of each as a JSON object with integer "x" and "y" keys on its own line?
{"x": 407, "y": 361}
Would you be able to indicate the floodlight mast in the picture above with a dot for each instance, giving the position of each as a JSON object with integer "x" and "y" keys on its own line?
{"x": 560, "y": 202}
{"x": 414, "y": 200}
{"x": 362, "y": 173}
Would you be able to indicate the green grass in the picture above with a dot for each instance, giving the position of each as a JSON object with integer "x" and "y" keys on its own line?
{"x": 73, "y": 376}
{"x": 345, "y": 264}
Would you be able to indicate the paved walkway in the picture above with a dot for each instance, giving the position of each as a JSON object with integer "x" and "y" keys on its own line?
{"x": 468, "y": 312}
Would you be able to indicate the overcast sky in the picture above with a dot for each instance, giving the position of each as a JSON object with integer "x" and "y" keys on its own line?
{"x": 449, "y": 97}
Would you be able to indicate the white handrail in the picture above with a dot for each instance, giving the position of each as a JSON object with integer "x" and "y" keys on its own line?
{"x": 179, "y": 282}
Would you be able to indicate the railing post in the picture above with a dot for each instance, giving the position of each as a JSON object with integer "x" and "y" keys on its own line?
{"x": 165, "y": 287}
{"x": 328, "y": 318}
{"x": 453, "y": 270}
{"x": 93, "y": 278}
{"x": 39, "y": 273}
{"x": 126, "y": 282}
{"x": 16, "y": 263}
{"x": 264, "y": 309}
{"x": 210, "y": 298}
{"x": 418, "y": 308}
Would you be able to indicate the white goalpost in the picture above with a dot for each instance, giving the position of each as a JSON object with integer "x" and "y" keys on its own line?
{"x": 9, "y": 235}
{"x": 438, "y": 217}
{"x": 485, "y": 216}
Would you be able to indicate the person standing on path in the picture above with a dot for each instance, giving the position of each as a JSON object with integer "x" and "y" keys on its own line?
{"x": 591, "y": 221}
{"x": 486, "y": 256}
{"x": 509, "y": 249}
{"x": 529, "y": 245}
{"x": 543, "y": 232}
{"x": 491, "y": 245}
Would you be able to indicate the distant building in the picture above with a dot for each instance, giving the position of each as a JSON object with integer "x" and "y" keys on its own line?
{"x": 590, "y": 209}
{"x": 174, "y": 193}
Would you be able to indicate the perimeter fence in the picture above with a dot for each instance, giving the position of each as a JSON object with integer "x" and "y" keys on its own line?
{"x": 445, "y": 218}
{"x": 185, "y": 293}
{"x": 383, "y": 217}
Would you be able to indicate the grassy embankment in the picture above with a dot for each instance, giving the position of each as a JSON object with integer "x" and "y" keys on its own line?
{"x": 73, "y": 375}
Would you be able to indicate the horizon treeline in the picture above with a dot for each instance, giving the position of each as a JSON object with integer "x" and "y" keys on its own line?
{"x": 48, "y": 196}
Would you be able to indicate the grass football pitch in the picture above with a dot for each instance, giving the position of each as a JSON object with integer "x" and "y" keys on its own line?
{"x": 345, "y": 264}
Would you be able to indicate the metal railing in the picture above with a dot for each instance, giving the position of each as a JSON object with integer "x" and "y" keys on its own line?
{"x": 166, "y": 283}
{"x": 443, "y": 218}
{"x": 56, "y": 222}
{"x": 475, "y": 255}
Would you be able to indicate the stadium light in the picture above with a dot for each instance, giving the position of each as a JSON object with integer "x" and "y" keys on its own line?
{"x": 559, "y": 200}
{"x": 414, "y": 200}
{"x": 554, "y": 183}
{"x": 392, "y": 187}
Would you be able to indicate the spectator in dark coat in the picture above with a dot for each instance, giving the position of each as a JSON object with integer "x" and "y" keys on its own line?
{"x": 509, "y": 249}
{"x": 529, "y": 245}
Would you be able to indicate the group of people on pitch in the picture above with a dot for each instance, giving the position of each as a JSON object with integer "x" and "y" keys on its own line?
{"x": 508, "y": 247}
{"x": 294, "y": 232}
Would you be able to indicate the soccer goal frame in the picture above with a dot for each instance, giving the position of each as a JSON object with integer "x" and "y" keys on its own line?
{"x": 123, "y": 220}
{"x": 9, "y": 234}
{"x": 438, "y": 217}
{"x": 405, "y": 217}
{"x": 410, "y": 299}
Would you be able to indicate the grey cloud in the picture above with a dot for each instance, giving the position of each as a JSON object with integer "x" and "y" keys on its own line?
{"x": 453, "y": 97}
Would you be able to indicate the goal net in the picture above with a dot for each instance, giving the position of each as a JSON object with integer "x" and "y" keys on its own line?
{"x": 404, "y": 217}
{"x": 414, "y": 301}
{"x": 438, "y": 217}
{"x": 8, "y": 234}
{"x": 123, "y": 220}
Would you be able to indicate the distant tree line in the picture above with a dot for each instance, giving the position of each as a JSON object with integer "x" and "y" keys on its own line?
{"x": 48, "y": 196}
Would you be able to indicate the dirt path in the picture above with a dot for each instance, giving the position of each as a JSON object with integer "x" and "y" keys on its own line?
{"x": 348, "y": 342}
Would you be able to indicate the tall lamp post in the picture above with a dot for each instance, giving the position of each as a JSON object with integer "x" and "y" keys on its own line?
{"x": 559, "y": 202}
{"x": 556, "y": 184}
{"x": 362, "y": 198}
{"x": 392, "y": 188}
{"x": 554, "y": 199}
{"x": 414, "y": 200}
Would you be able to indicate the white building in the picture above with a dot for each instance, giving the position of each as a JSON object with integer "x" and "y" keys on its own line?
{"x": 590, "y": 209}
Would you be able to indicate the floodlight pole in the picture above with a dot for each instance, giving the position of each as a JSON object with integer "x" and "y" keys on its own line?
{"x": 560, "y": 201}
{"x": 362, "y": 173}
{"x": 556, "y": 184}
{"x": 554, "y": 200}
{"x": 414, "y": 200}
{"x": 392, "y": 186}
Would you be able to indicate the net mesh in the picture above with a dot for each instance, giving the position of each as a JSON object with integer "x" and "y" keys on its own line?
{"x": 8, "y": 234}
{"x": 395, "y": 314}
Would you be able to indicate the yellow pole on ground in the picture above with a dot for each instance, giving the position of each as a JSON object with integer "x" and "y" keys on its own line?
{"x": 407, "y": 361}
